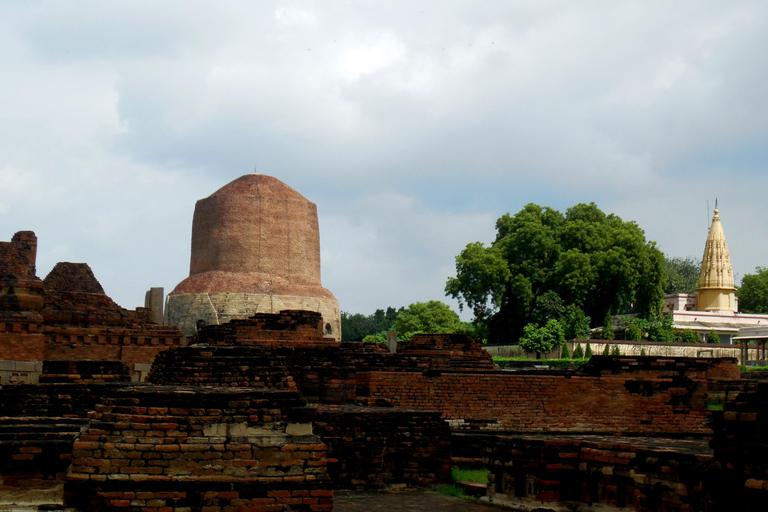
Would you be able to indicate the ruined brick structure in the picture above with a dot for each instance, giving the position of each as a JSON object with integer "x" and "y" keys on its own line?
{"x": 265, "y": 413}
{"x": 67, "y": 317}
{"x": 255, "y": 249}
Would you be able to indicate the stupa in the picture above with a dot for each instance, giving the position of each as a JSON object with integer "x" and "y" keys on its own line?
{"x": 255, "y": 249}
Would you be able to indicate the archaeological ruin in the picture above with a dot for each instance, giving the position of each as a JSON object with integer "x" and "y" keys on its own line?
{"x": 255, "y": 249}
{"x": 255, "y": 405}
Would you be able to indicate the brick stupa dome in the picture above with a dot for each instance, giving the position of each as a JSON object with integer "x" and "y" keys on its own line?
{"x": 255, "y": 248}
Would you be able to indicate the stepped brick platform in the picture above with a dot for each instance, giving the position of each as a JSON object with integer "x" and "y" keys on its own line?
{"x": 211, "y": 449}
{"x": 84, "y": 372}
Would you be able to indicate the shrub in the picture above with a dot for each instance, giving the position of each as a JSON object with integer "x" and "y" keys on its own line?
{"x": 712, "y": 337}
{"x": 615, "y": 351}
{"x": 689, "y": 336}
{"x": 607, "y": 349}
{"x": 588, "y": 352}
{"x": 634, "y": 332}
{"x": 642, "y": 352}
{"x": 578, "y": 353}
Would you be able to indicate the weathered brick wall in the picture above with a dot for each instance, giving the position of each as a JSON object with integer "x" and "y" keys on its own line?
{"x": 250, "y": 367}
{"x": 627, "y": 473}
{"x": 84, "y": 372}
{"x": 35, "y": 452}
{"x": 740, "y": 444}
{"x": 371, "y": 447}
{"x": 211, "y": 449}
{"x": 288, "y": 325}
{"x": 612, "y": 395}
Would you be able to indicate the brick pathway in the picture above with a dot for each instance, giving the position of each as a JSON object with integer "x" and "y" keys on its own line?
{"x": 405, "y": 501}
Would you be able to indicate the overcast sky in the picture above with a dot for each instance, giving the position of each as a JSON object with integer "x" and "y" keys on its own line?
{"x": 412, "y": 125}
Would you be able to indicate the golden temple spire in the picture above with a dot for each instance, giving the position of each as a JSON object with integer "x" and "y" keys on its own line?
{"x": 716, "y": 286}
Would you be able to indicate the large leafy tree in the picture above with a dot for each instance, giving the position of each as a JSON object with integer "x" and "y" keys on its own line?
{"x": 433, "y": 317}
{"x": 753, "y": 292}
{"x": 682, "y": 275}
{"x": 590, "y": 260}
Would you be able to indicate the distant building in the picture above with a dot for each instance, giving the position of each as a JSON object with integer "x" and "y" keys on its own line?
{"x": 715, "y": 307}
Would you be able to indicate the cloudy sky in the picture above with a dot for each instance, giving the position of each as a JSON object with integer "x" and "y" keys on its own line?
{"x": 412, "y": 126}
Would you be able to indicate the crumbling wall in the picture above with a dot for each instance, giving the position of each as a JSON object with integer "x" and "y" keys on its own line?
{"x": 375, "y": 447}
{"x": 624, "y": 473}
{"x": 648, "y": 396}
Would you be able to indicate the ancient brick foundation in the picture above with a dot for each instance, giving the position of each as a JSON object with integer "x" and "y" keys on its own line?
{"x": 626, "y": 473}
{"x": 374, "y": 447}
{"x": 211, "y": 449}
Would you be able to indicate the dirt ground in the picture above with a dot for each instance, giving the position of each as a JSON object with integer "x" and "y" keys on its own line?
{"x": 405, "y": 501}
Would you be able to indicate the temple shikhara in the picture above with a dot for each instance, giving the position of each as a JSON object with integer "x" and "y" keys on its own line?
{"x": 238, "y": 395}
{"x": 715, "y": 306}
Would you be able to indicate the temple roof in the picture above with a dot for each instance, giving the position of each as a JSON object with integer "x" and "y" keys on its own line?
{"x": 716, "y": 270}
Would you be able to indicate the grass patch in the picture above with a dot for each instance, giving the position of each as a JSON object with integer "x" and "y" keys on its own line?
{"x": 449, "y": 490}
{"x": 503, "y": 362}
{"x": 479, "y": 476}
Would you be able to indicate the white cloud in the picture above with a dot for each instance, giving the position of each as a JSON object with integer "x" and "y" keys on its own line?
{"x": 413, "y": 126}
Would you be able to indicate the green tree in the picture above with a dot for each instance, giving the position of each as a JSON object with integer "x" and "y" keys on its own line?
{"x": 588, "y": 352}
{"x": 575, "y": 323}
{"x": 578, "y": 353}
{"x": 433, "y": 317}
{"x": 591, "y": 260}
{"x": 542, "y": 339}
{"x": 712, "y": 337}
{"x": 689, "y": 336}
{"x": 375, "y": 338}
{"x": 566, "y": 351}
{"x": 356, "y": 326}
{"x": 608, "y": 327}
{"x": 615, "y": 351}
{"x": 682, "y": 275}
{"x": 607, "y": 349}
{"x": 753, "y": 292}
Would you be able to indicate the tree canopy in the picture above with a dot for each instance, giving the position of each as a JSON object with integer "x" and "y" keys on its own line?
{"x": 432, "y": 317}
{"x": 588, "y": 259}
{"x": 682, "y": 275}
{"x": 356, "y": 326}
{"x": 753, "y": 292}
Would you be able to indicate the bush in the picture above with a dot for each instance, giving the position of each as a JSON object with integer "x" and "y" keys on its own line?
{"x": 689, "y": 336}
{"x": 607, "y": 349}
{"x": 634, "y": 332}
{"x": 642, "y": 352}
{"x": 615, "y": 351}
{"x": 578, "y": 353}
{"x": 588, "y": 352}
{"x": 712, "y": 337}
